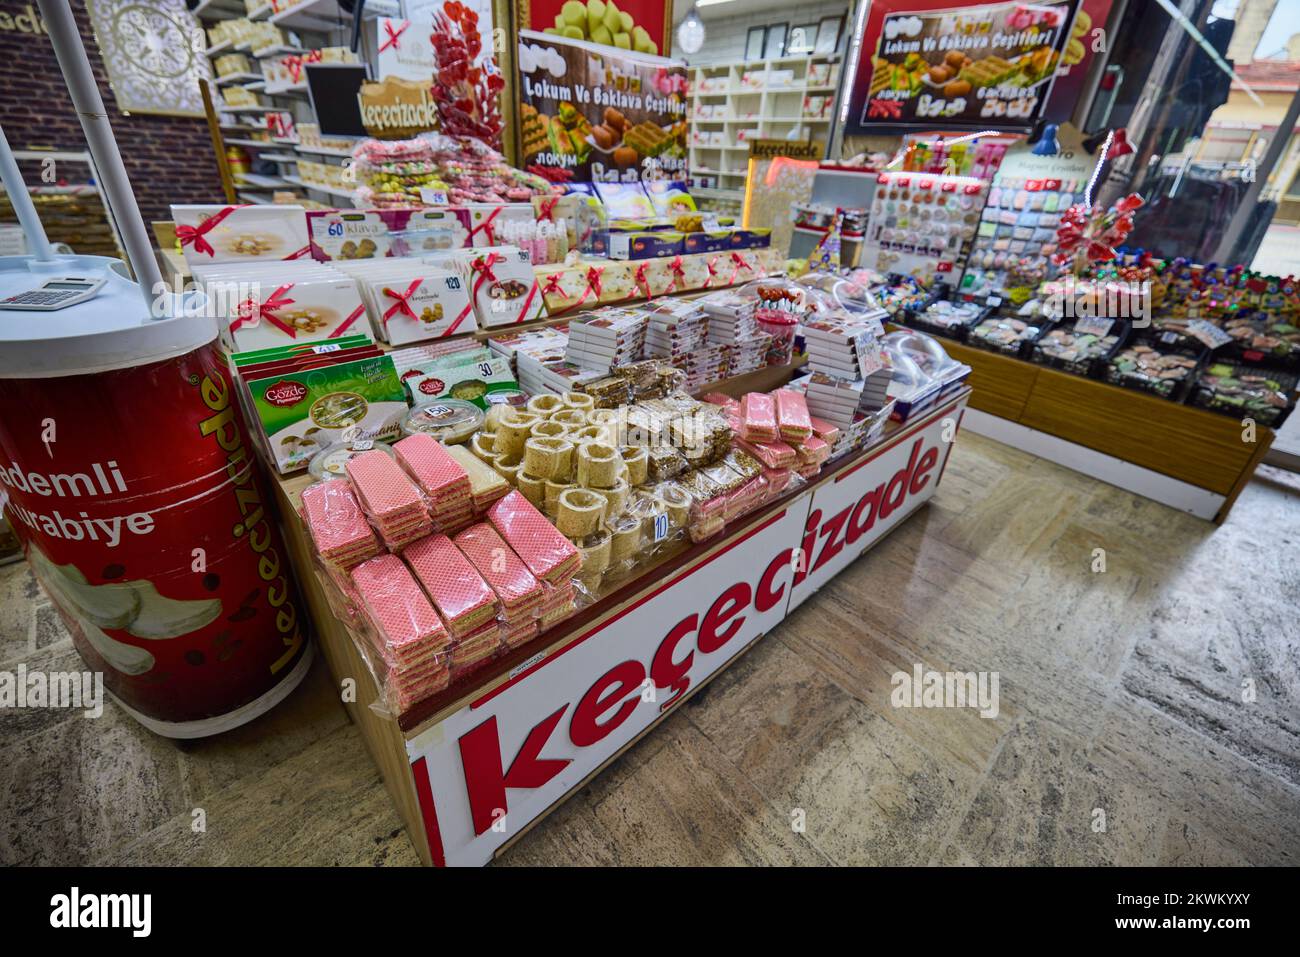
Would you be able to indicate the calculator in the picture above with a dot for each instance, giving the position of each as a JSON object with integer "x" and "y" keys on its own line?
{"x": 55, "y": 294}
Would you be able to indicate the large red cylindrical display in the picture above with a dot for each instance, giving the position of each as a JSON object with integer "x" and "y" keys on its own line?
{"x": 147, "y": 518}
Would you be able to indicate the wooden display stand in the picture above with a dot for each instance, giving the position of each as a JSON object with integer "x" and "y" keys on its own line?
{"x": 474, "y": 767}
{"x": 1185, "y": 457}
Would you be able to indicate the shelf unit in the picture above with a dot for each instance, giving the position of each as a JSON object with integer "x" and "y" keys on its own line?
{"x": 753, "y": 102}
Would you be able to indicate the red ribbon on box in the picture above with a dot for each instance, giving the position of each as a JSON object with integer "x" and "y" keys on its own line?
{"x": 393, "y": 35}
{"x": 740, "y": 262}
{"x": 642, "y": 280}
{"x": 195, "y": 234}
{"x": 250, "y": 312}
{"x": 346, "y": 324}
{"x": 294, "y": 64}
{"x": 712, "y": 264}
{"x": 402, "y": 304}
{"x": 486, "y": 224}
{"x": 675, "y": 267}
{"x": 593, "y": 284}
{"x": 552, "y": 287}
{"x": 528, "y": 301}
{"x": 547, "y": 212}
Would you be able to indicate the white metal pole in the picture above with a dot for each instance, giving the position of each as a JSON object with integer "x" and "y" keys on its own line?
{"x": 37, "y": 243}
{"x": 71, "y": 53}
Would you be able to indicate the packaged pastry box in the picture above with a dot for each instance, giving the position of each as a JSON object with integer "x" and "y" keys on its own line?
{"x": 472, "y": 376}
{"x": 316, "y": 309}
{"x": 645, "y": 244}
{"x": 376, "y": 233}
{"x": 221, "y": 234}
{"x": 503, "y": 286}
{"x": 306, "y": 403}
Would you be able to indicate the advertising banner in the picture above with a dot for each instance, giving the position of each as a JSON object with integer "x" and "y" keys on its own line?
{"x": 590, "y": 113}
{"x": 488, "y": 769}
{"x": 931, "y": 65}
{"x": 643, "y": 26}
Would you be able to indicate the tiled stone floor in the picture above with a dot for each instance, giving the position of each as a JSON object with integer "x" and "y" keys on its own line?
{"x": 1123, "y": 735}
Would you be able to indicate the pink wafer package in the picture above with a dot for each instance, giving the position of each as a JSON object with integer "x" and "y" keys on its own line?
{"x": 813, "y": 449}
{"x": 548, "y": 554}
{"x": 437, "y": 474}
{"x": 824, "y": 430}
{"x": 458, "y": 591}
{"x": 758, "y": 417}
{"x": 792, "y": 416}
{"x": 382, "y": 487}
{"x": 338, "y": 527}
{"x": 398, "y": 609}
{"x": 519, "y": 591}
{"x": 776, "y": 455}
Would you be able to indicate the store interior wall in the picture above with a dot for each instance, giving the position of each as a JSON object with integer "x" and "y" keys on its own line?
{"x": 169, "y": 159}
{"x": 726, "y": 25}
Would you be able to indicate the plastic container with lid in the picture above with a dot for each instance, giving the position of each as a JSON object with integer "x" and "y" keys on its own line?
{"x": 447, "y": 420}
{"x": 331, "y": 462}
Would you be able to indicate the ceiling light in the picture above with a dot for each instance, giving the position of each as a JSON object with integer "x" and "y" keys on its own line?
{"x": 690, "y": 32}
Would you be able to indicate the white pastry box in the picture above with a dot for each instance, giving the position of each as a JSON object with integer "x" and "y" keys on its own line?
{"x": 226, "y": 234}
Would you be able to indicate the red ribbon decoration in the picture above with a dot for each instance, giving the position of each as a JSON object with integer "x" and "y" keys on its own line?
{"x": 483, "y": 266}
{"x": 195, "y": 234}
{"x": 347, "y": 323}
{"x": 712, "y": 264}
{"x": 403, "y": 301}
{"x": 294, "y": 64}
{"x": 552, "y": 287}
{"x": 547, "y": 211}
{"x": 487, "y": 224}
{"x": 642, "y": 280}
{"x": 593, "y": 284}
{"x": 528, "y": 301}
{"x": 393, "y": 35}
{"x": 740, "y": 263}
{"x": 250, "y": 312}
{"x": 675, "y": 267}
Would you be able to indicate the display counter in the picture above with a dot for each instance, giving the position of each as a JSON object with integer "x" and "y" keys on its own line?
{"x": 474, "y": 767}
{"x": 1182, "y": 456}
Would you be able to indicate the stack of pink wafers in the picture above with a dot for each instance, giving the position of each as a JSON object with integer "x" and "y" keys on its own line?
{"x": 442, "y": 479}
{"x": 479, "y": 646}
{"x": 389, "y": 498}
{"x": 407, "y": 633}
{"x": 460, "y": 594}
{"x": 519, "y": 591}
{"x": 519, "y": 632}
{"x": 758, "y": 418}
{"x": 558, "y": 603}
{"x": 793, "y": 421}
{"x": 338, "y": 527}
{"x": 549, "y": 555}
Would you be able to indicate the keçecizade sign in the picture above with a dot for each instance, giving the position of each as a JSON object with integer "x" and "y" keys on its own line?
{"x": 487, "y": 770}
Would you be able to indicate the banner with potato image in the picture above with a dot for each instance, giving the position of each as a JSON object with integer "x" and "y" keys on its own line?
{"x": 594, "y": 113}
{"x": 930, "y": 65}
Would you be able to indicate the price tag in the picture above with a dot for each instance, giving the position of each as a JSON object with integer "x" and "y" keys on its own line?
{"x": 660, "y": 528}
{"x": 437, "y": 411}
{"x": 1094, "y": 327}
{"x": 1208, "y": 333}
{"x": 327, "y": 347}
{"x": 992, "y": 302}
{"x": 1169, "y": 338}
{"x": 363, "y": 445}
{"x": 869, "y": 358}
{"x": 434, "y": 196}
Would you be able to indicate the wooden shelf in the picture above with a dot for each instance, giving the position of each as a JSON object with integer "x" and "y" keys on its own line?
{"x": 1182, "y": 442}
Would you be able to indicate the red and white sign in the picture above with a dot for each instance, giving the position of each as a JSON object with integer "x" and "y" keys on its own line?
{"x": 486, "y": 771}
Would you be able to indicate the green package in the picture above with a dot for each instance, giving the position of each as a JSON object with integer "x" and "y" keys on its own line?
{"x": 302, "y": 413}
